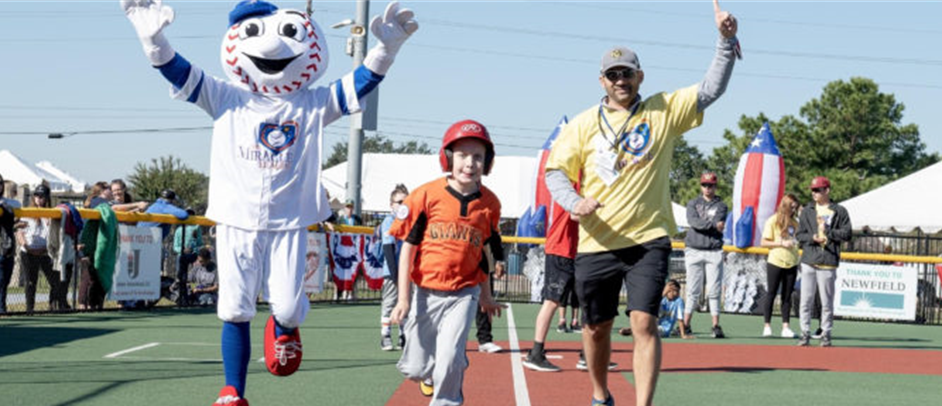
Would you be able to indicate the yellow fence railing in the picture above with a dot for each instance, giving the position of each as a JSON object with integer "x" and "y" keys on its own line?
{"x": 203, "y": 221}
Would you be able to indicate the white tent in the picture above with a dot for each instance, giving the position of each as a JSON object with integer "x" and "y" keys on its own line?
{"x": 17, "y": 170}
{"x": 509, "y": 179}
{"x": 78, "y": 185}
{"x": 908, "y": 203}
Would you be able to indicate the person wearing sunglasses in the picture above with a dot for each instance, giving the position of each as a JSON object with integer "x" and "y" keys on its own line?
{"x": 391, "y": 248}
{"x": 703, "y": 255}
{"x": 822, "y": 227}
{"x": 621, "y": 151}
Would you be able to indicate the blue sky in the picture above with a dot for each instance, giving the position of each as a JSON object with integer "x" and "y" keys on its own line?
{"x": 515, "y": 66}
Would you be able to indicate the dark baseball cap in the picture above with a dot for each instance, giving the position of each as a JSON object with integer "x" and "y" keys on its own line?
{"x": 620, "y": 56}
{"x": 42, "y": 190}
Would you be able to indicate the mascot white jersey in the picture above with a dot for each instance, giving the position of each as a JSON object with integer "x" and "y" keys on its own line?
{"x": 265, "y": 160}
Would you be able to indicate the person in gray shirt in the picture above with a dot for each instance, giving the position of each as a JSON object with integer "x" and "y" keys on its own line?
{"x": 704, "y": 252}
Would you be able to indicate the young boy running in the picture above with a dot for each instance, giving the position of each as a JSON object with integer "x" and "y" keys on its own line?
{"x": 446, "y": 226}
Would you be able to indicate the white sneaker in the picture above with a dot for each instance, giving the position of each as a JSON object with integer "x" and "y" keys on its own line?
{"x": 767, "y": 331}
{"x": 489, "y": 348}
{"x": 788, "y": 333}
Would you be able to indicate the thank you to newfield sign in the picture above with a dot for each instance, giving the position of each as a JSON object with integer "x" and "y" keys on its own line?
{"x": 875, "y": 291}
{"x": 137, "y": 267}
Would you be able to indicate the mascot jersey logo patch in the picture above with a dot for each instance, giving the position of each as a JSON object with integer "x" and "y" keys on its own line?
{"x": 278, "y": 137}
{"x": 637, "y": 140}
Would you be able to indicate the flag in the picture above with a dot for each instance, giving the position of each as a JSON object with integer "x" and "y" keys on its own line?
{"x": 758, "y": 188}
{"x": 533, "y": 222}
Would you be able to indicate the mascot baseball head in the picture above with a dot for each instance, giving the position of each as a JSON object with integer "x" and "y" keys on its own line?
{"x": 271, "y": 51}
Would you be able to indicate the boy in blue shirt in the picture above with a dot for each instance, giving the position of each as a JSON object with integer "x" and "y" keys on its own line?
{"x": 671, "y": 311}
{"x": 391, "y": 249}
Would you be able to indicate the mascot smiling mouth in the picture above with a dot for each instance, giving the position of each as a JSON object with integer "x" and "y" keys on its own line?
{"x": 271, "y": 66}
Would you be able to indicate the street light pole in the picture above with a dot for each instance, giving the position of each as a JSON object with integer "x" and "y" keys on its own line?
{"x": 358, "y": 33}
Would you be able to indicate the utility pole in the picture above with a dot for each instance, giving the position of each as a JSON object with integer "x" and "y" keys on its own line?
{"x": 358, "y": 35}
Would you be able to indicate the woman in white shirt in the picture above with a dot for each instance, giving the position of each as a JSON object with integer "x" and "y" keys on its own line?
{"x": 33, "y": 251}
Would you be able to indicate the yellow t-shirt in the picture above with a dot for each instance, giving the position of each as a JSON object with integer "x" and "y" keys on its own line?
{"x": 825, "y": 214}
{"x": 780, "y": 256}
{"x": 636, "y": 206}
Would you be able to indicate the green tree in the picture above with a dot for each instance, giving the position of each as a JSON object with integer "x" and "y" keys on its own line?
{"x": 377, "y": 144}
{"x": 191, "y": 187}
{"x": 687, "y": 165}
{"x": 852, "y": 133}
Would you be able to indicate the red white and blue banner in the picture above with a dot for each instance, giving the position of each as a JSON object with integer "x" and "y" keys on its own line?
{"x": 757, "y": 190}
{"x": 533, "y": 222}
{"x": 355, "y": 255}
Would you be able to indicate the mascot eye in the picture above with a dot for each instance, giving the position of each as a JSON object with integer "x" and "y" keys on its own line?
{"x": 251, "y": 28}
{"x": 292, "y": 30}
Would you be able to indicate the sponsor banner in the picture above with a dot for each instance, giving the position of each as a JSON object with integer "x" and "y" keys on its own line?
{"x": 875, "y": 291}
{"x": 137, "y": 266}
{"x": 317, "y": 264}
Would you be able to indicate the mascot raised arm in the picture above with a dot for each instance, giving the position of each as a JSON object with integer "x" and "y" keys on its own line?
{"x": 265, "y": 181}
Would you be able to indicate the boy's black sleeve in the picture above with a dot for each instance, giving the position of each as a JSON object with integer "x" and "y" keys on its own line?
{"x": 497, "y": 248}
{"x": 389, "y": 255}
{"x": 418, "y": 230}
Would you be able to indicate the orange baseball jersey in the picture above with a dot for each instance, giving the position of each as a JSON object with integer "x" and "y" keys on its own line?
{"x": 450, "y": 231}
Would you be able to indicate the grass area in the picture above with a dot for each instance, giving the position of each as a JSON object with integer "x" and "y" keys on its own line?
{"x": 59, "y": 360}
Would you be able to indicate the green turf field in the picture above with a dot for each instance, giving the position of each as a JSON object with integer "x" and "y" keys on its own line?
{"x": 171, "y": 357}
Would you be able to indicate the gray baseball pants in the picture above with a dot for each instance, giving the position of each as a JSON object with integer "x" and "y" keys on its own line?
{"x": 698, "y": 263}
{"x": 823, "y": 280}
{"x": 436, "y": 336}
{"x": 390, "y": 298}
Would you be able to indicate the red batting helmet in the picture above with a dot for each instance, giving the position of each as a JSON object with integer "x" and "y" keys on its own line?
{"x": 466, "y": 129}
{"x": 820, "y": 182}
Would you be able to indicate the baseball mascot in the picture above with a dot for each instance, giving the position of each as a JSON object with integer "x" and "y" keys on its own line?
{"x": 265, "y": 185}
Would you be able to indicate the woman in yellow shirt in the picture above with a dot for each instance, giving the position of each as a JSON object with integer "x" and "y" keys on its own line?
{"x": 782, "y": 263}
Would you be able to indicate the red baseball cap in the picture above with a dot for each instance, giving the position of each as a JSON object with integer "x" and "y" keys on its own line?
{"x": 820, "y": 182}
{"x": 708, "y": 178}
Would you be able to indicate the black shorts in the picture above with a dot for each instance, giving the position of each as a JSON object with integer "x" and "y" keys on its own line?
{"x": 559, "y": 280}
{"x": 599, "y": 277}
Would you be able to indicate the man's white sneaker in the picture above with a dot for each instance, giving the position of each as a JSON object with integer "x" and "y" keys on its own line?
{"x": 767, "y": 331}
{"x": 489, "y": 348}
{"x": 788, "y": 333}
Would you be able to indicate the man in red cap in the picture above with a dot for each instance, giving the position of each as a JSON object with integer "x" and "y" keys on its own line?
{"x": 704, "y": 253}
{"x": 822, "y": 227}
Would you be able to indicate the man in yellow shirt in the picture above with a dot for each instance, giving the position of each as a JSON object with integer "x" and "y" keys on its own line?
{"x": 621, "y": 149}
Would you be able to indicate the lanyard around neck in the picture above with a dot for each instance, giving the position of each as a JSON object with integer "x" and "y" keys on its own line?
{"x": 616, "y": 135}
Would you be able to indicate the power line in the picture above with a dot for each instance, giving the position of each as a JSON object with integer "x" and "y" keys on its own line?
{"x": 558, "y": 34}
{"x": 99, "y": 132}
{"x": 753, "y": 19}
{"x": 671, "y": 68}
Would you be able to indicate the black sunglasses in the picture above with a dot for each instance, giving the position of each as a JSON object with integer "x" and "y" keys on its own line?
{"x": 615, "y": 74}
{"x": 708, "y": 185}
{"x": 818, "y": 190}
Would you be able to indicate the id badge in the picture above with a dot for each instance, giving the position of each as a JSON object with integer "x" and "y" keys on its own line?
{"x": 605, "y": 164}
